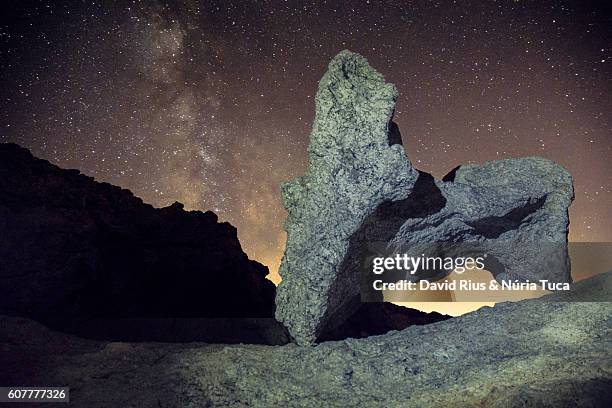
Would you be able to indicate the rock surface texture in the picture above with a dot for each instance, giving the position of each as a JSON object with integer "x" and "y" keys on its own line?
{"x": 73, "y": 249}
{"x": 360, "y": 192}
{"x": 548, "y": 352}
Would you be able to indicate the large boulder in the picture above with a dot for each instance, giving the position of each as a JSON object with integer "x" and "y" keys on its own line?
{"x": 73, "y": 250}
{"x": 361, "y": 195}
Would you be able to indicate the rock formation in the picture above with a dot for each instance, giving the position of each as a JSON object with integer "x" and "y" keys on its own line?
{"x": 73, "y": 249}
{"x": 361, "y": 193}
{"x": 549, "y": 352}
{"x": 91, "y": 259}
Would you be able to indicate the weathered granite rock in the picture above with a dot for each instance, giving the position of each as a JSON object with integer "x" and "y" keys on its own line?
{"x": 515, "y": 211}
{"x": 73, "y": 250}
{"x": 354, "y": 165}
{"x": 361, "y": 196}
{"x": 546, "y": 353}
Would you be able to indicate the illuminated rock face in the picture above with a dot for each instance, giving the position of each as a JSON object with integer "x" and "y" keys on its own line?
{"x": 353, "y": 167}
{"x": 360, "y": 189}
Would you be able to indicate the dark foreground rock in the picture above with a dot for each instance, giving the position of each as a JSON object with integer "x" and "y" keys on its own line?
{"x": 361, "y": 197}
{"x": 73, "y": 250}
{"x": 547, "y": 352}
{"x": 228, "y": 330}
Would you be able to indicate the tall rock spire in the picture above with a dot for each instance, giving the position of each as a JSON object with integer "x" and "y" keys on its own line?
{"x": 355, "y": 163}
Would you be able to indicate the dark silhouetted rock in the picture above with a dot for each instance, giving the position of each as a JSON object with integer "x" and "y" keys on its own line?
{"x": 361, "y": 195}
{"x": 226, "y": 330}
{"x": 73, "y": 250}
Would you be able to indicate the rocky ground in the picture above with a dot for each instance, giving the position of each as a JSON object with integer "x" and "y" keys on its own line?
{"x": 548, "y": 352}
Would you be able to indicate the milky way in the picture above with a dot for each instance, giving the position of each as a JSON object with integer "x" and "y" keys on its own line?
{"x": 210, "y": 103}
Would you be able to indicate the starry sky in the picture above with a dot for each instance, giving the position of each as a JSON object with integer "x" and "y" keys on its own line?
{"x": 210, "y": 103}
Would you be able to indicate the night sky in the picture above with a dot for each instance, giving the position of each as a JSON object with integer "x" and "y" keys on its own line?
{"x": 210, "y": 103}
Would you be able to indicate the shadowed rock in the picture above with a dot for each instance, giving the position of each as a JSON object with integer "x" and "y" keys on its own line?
{"x": 73, "y": 250}
{"x": 371, "y": 319}
{"x": 361, "y": 197}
